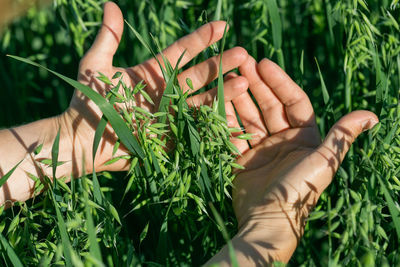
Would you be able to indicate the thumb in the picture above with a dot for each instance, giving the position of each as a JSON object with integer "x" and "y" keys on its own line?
{"x": 341, "y": 136}
{"x": 104, "y": 47}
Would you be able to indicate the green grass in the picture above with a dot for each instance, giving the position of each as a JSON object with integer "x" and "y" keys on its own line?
{"x": 357, "y": 47}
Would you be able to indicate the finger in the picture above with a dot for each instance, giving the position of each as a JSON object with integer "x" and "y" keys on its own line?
{"x": 251, "y": 118}
{"x": 339, "y": 139}
{"x": 207, "y": 71}
{"x": 240, "y": 144}
{"x": 232, "y": 88}
{"x": 192, "y": 44}
{"x": 299, "y": 111}
{"x": 104, "y": 47}
{"x": 271, "y": 107}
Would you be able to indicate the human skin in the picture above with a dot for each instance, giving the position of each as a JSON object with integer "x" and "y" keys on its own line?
{"x": 78, "y": 123}
{"x": 287, "y": 168}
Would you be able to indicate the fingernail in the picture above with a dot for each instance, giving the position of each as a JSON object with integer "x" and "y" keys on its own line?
{"x": 368, "y": 124}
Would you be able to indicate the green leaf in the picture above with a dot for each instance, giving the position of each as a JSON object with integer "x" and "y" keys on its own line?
{"x": 394, "y": 212}
{"x": 143, "y": 234}
{"x": 8, "y": 174}
{"x": 146, "y": 96}
{"x": 113, "y": 160}
{"x": 325, "y": 93}
{"x": 220, "y": 90}
{"x": 194, "y": 138}
{"x": 63, "y": 231}
{"x": 94, "y": 247}
{"x": 114, "y": 213}
{"x": 38, "y": 149}
{"x": 189, "y": 83}
{"x": 104, "y": 79}
{"x": 9, "y": 251}
{"x": 117, "y": 75}
{"x": 146, "y": 45}
{"x": 54, "y": 153}
{"x": 169, "y": 89}
{"x": 217, "y": 15}
{"x": 205, "y": 183}
{"x": 49, "y": 162}
{"x": 276, "y": 25}
{"x": 220, "y": 222}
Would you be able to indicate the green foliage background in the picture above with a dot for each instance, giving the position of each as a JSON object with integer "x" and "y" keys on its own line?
{"x": 356, "y": 44}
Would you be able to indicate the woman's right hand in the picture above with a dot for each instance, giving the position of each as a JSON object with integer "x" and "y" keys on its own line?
{"x": 287, "y": 166}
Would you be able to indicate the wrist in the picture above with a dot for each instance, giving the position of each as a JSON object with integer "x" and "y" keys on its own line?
{"x": 24, "y": 140}
{"x": 274, "y": 238}
{"x": 259, "y": 244}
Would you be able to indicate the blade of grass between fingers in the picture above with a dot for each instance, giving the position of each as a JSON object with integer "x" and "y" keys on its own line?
{"x": 119, "y": 126}
{"x": 221, "y": 97}
{"x": 8, "y": 174}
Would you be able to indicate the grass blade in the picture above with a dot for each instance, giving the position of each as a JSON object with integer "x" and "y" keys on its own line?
{"x": 63, "y": 231}
{"x": 54, "y": 153}
{"x": 221, "y": 97}
{"x": 392, "y": 207}
{"x": 169, "y": 89}
{"x": 119, "y": 126}
{"x": 276, "y": 24}
{"x": 145, "y": 44}
{"x": 94, "y": 245}
{"x": 8, "y": 174}
{"x": 325, "y": 93}
{"x": 217, "y": 15}
{"x": 97, "y": 137}
{"x": 9, "y": 251}
{"x": 225, "y": 234}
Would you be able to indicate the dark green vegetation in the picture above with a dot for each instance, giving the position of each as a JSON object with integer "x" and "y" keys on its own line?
{"x": 357, "y": 47}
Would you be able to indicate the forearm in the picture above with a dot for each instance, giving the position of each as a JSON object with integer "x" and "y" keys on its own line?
{"x": 19, "y": 143}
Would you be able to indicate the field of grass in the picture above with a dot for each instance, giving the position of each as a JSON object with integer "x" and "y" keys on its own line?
{"x": 345, "y": 54}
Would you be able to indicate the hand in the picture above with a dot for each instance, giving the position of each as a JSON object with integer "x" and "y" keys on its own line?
{"x": 83, "y": 115}
{"x": 79, "y": 122}
{"x": 287, "y": 166}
